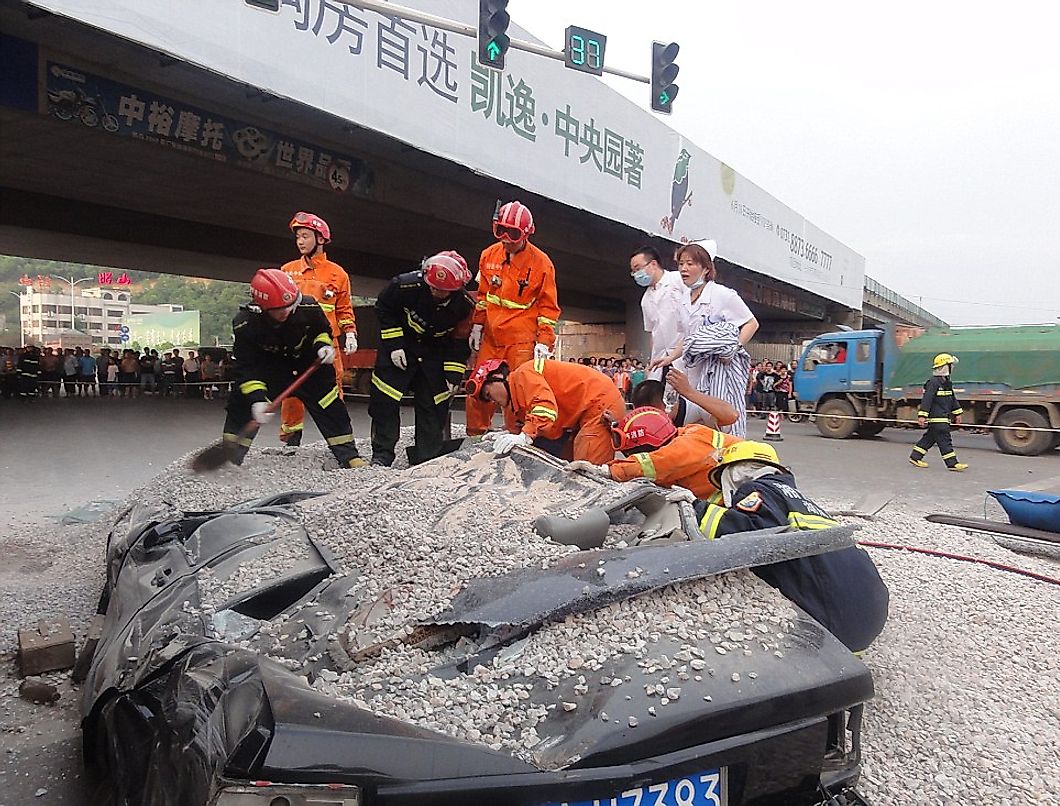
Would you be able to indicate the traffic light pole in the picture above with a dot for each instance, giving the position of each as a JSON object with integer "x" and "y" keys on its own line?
{"x": 415, "y": 15}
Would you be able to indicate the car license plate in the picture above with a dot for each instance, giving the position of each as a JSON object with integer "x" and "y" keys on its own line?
{"x": 700, "y": 789}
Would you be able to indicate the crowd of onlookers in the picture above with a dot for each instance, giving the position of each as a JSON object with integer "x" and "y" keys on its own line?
{"x": 769, "y": 386}
{"x": 75, "y": 372}
{"x": 625, "y": 372}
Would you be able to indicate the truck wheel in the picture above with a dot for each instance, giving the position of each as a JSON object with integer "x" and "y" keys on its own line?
{"x": 830, "y": 422}
{"x": 1022, "y": 442}
{"x": 870, "y": 429}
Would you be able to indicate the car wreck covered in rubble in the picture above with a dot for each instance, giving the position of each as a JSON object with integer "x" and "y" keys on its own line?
{"x": 217, "y": 677}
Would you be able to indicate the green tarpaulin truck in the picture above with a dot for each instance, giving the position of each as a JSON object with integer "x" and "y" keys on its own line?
{"x": 858, "y": 382}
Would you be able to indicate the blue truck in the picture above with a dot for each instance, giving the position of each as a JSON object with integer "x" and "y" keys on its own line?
{"x": 858, "y": 382}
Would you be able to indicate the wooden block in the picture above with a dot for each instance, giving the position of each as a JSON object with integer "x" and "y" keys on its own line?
{"x": 48, "y": 647}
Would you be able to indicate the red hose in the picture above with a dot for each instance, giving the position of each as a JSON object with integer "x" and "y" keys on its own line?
{"x": 963, "y": 558}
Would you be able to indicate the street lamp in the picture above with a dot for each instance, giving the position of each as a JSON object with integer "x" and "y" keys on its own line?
{"x": 72, "y": 282}
{"x": 21, "y": 329}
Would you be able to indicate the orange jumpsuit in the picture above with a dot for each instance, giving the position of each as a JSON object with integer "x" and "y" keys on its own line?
{"x": 553, "y": 398}
{"x": 684, "y": 460}
{"x": 329, "y": 284}
{"x": 517, "y": 308}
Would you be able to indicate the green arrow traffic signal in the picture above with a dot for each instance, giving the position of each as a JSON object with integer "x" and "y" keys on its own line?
{"x": 663, "y": 74}
{"x": 493, "y": 41}
{"x": 493, "y": 50}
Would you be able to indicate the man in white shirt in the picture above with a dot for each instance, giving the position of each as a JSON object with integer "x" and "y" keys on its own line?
{"x": 663, "y": 304}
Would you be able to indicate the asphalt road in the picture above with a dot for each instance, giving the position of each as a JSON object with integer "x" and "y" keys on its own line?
{"x": 56, "y": 455}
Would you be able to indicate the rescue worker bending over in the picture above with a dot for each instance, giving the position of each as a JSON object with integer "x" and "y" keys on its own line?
{"x": 551, "y": 400}
{"x": 421, "y": 314}
{"x": 936, "y": 408}
{"x": 658, "y": 451}
{"x": 329, "y": 285}
{"x": 841, "y": 589}
{"x": 276, "y": 338}
{"x": 517, "y": 311}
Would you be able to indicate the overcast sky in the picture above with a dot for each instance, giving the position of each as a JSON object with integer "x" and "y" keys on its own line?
{"x": 924, "y": 135}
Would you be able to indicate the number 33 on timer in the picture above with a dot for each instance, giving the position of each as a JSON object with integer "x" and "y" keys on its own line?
{"x": 585, "y": 50}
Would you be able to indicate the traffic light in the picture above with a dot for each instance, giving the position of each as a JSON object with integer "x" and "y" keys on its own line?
{"x": 663, "y": 74}
{"x": 268, "y": 5}
{"x": 493, "y": 41}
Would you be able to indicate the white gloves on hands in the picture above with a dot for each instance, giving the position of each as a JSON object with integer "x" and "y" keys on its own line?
{"x": 452, "y": 387}
{"x": 541, "y": 351}
{"x": 260, "y": 413}
{"x": 350, "y": 343}
{"x": 504, "y": 442}
{"x": 398, "y": 358}
{"x": 326, "y": 354}
{"x": 679, "y": 494}
{"x": 588, "y": 467}
{"x": 475, "y": 339}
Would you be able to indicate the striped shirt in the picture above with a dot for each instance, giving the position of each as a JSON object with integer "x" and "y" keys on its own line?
{"x": 719, "y": 366}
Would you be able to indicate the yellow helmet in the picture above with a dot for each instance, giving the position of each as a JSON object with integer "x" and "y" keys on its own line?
{"x": 743, "y": 452}
{"x": 942, "y": 359}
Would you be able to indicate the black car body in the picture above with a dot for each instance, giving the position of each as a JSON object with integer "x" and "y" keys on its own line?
{"x": 176, "y": 714}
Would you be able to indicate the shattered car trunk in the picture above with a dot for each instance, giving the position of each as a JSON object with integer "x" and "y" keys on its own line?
{"x": 219, "y": 624}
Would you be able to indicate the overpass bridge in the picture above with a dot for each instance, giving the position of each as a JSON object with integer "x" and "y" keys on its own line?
{"x": 882, "y": 305}
{"x": 168, "y": 137}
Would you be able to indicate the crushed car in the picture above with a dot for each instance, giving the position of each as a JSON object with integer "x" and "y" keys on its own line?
{"x": 242, "y": 663}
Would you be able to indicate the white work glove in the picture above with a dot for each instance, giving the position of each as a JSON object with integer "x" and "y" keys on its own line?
{"x": 399, "y": 360}
{"x": 260, "y": 413}
{"x": 475, "y": 339}
{"x": 679, "y": 494}
{"x": 504, "y": 442}
{"x": 453, "y": 388}
{"x": 588, "y": 467}
{"x": 326, "y": 354}
{"x": 541, "y": 351}
{"x": 350, "y": 343}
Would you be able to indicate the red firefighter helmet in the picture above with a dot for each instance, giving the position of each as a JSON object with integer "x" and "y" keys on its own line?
{"x": 274, "y": 288}
{"x": 446, "y": 271}
{"x": 643, "y": 429}
{"x": 513, "y": 223}
{"x": 488, "y": 371}
{"x": 311, "y": 221}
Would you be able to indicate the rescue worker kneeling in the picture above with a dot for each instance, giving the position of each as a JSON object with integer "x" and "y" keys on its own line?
{"x": 657, "y": 450}
{"x": 276, "y": 338}
{"x": 841, "y": 589}
{"x": 551, "y": 400}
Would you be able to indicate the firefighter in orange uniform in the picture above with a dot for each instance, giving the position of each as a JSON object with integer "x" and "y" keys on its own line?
{"x": 551, "y": 400}
{"x": 328, "y": 283}
{"x": 517, "y": 311}
{"x": 658, "y": 451}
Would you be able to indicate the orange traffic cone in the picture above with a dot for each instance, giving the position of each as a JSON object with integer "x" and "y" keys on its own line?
{"x": 773, "y": 428}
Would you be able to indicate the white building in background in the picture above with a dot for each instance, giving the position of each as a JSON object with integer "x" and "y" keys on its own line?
{"x": 98, "y": 315}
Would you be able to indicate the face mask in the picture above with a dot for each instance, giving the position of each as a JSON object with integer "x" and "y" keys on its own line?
{"x": 642, "y": 278}
{"x": 702, "y": 281}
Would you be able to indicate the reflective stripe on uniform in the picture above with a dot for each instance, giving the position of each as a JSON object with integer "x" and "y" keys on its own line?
{"x": 323, "y": 338}
{"x": 717, "y": 439}
{"x": 349, "y": 323}
{"x": 327, "y": 307}
{"x": 290, "y": 429}
{"x": 942, "y": 393}
{"x": 391, "y": 333}
{"x": 921, "y": 414}
{"x": 341, "y": 439}
{"x": 539, "y": 365}
{"x": 480, "y": 305}
{"x": 454, "y": 366}
{"x": 711, "y": 520}
{"x": 950, "y": 455}
{"x": 252, "y": 386}
{"x": 441, "y": 397}
{"x": 385, "y": 388}
{"x": 938, "y": 419}
{"x": 244, "y": 441}
{"x": 412, "y": 323}
{"x": 544, "y": 320}
{"x": 507, "y": 303}
{"x": 921, "y": 451}
{"x": 957, "y": 412}
{"x": 714, "y": 498}
{"x": 647, "y": 466}
{"x": 544, "y": 411}
{"x": 329, "y": 398}
{"x": 801, "y": 520}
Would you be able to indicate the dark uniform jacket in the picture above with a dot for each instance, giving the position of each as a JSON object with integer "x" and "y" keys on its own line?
{"x": 410, "y": 319}
{"x": 841, "y": 589}
{"x": 267, "y": 353}
{"x": 939, "y": 403}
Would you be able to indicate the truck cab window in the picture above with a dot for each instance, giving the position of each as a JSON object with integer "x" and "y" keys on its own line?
{"x": 861, "y": 353}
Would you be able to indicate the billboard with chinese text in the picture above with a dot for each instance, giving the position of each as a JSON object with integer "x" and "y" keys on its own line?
{"x": 152, "y": 329}
{"x": 537, "y": 125}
